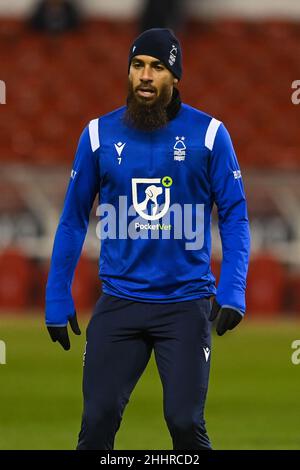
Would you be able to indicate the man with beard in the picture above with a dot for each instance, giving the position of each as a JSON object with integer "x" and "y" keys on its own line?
{"x": 158, "y": 165}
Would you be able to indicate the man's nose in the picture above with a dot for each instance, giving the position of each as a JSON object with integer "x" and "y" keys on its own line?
{"x": 146, "y": 74}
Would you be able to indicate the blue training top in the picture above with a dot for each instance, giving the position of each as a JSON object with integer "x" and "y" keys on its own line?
{"x": 156, "y": 192}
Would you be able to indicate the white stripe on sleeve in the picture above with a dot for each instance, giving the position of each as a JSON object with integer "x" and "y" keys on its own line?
{"x": 94, "y": 134}
{"x": 211, "y": 133}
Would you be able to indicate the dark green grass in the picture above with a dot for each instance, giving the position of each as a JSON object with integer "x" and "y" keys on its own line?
{"x": 253, "y": 400}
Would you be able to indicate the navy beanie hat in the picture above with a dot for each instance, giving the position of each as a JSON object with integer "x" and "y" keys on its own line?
{"x": 161, "y": 44}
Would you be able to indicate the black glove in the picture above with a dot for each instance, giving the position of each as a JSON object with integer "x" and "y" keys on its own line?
{"x": 228, "y": 318}
{"x": 60, "y": 333}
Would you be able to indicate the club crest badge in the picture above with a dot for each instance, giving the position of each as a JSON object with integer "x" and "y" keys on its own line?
{"x": 179, "y": 149}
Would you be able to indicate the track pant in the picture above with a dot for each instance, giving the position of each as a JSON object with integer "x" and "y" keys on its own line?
{"x": 121, "y": 335}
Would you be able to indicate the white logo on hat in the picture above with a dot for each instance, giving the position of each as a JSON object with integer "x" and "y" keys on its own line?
{"x": 134, "y": 48}
{"x": 173, "y": 55}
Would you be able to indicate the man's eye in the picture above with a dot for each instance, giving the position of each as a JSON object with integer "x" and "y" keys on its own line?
{"x": 159, "y": 67}
{"x": 136, "y": 65}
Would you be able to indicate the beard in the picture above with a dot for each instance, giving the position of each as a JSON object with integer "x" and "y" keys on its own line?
{"x": 144, "y": 114}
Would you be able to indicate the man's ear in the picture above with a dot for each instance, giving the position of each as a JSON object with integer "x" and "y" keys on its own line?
{"x": 175, "y": 81}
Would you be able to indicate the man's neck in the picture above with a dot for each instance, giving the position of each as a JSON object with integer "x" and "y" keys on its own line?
{"x": 174, "y": 105}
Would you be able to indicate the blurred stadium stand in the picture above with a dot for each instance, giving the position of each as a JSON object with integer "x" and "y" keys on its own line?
{"x": 238, "y": 69}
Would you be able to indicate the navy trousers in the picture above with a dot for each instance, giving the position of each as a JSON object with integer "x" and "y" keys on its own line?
{"x": 121, "y": 335}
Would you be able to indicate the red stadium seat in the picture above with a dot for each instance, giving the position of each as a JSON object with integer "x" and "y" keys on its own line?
{"x": 16, "y": 280}
{"x": 86, "y": 286}
{"x": 242, "y": 72}
{"x": 292, "y": 294}
{"x": 265, "y": 286}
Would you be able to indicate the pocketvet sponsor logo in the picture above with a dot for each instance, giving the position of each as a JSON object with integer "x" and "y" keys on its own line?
{"x": 148, "y": 226}
{"x": 148, "y": 213}
{"x": 154, "y": 187}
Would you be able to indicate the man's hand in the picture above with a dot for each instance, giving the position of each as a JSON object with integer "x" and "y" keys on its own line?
{"x": 228, "y": 317}
{"x": 60, "y": 333}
